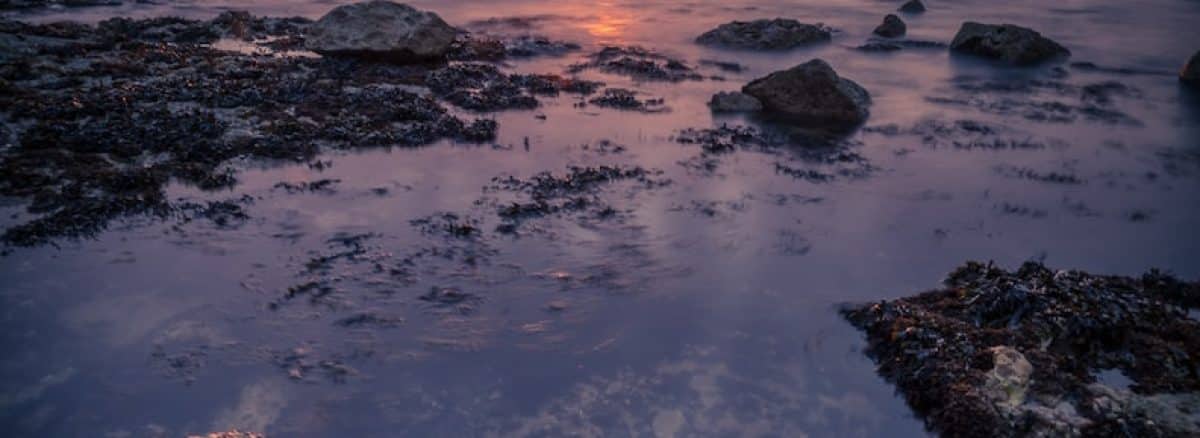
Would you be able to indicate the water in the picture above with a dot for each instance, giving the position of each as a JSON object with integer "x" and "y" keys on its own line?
{"x": 707, "y": 307}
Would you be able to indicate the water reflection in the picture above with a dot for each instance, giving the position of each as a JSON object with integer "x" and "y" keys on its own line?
{"x": 609, "y": 23}
{"x": 705, "y": 307}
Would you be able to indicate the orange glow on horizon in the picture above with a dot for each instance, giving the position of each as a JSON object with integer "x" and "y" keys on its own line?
{"x": 609, "y": 22}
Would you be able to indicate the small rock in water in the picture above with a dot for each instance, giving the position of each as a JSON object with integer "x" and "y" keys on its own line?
{"x": 1191, "y": 71}
{"x": 912, "y": 7}
{"x": 765, "y": 34}
{"x": 891, "y": 27}
{"x": 734, "y": 102}
{"x": 381, "y": 30}
{"x": 812, "y": 93}
{"x": 1013, "y": 44}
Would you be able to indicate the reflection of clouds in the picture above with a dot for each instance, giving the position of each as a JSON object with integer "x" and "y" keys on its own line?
{"x": 34, "y": 392}
{"x": 700, "y": 394}
{"x": 258, "y": 407}
{"x": 108, "y": 317}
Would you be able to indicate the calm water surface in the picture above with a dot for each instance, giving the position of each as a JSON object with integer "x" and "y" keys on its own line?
{"x": 708, "y": 307}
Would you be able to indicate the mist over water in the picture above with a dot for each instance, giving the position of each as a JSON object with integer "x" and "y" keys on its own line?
{"x": 707, "y": 306}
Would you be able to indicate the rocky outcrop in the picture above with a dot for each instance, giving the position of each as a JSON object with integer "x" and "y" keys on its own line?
{"x": 812, "y": 93}
{"x": 1013, "y": 44}
{"x": 777, "y": 34}
{"x": 734, "y": 102}
{"x": 912, "y": 7}
{"x": 381, "y": 30}
{"x": 1191, "y": 72}
{"x": 891, "y": 27}
{"x": 1010, "y": 354}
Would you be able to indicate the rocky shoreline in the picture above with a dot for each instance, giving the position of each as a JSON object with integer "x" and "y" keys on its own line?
{"x": 1006, "y": 354}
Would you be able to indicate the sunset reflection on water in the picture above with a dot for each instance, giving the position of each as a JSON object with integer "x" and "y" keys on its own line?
{"x": 609, "y": 23}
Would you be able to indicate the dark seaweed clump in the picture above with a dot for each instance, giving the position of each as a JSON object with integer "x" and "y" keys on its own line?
{"x": 622, "y": 99}
{"x": 802, "y": 154}
{"x": 548, "y": 194}
{"x": 638, "y": 63}
{"x": 483, "y": 87}
{"x": 100, "y": 119}
{"x": 1005, "y": 354}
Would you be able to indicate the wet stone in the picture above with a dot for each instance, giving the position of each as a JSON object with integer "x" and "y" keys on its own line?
{"x": 891, "y": 27}
{"x": 1009, "y": 43}
{"x": 381, "y": 30}
{"x": 812, "y": 93}
{"x": 776, "y": 34}
{"x": 912, "y": 7}
{"x": 732, "y": 101}
{"x": 1191, "y": 71}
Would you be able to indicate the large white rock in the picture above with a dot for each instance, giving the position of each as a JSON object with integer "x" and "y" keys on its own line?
{"x": 382, "y": 30}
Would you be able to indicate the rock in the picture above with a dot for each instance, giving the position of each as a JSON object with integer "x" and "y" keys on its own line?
{"x": 1015, "y": 353}
{"x": 812, "y": 93}
{"x": 1014, "y": 44}
{"x": 1009, "y": 379}
{"x": 891, "y": 27}
{"x": 912, "y": 7}
{"x": 1175, "y": 414}
{"x": 777, "y": 34}
{"x": 734, "y": 102}
{"x": 381, "y": 30}
{"x": 1191, "y": 72}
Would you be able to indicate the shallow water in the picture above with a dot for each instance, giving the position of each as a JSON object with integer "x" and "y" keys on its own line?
{"x": 705, "y": 307}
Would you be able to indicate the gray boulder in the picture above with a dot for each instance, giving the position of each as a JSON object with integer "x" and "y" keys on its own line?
{"x": 812, "y": 93}
{"x": 1191, "y": 72}
{"x": 381, "y": 30}
{"x": 912, "y": 7}
{"x": 734, "y": 102}
{"x": 1013, "y": 44}
{"x": 891, "y": 27}
{"x": 777, "y": 34}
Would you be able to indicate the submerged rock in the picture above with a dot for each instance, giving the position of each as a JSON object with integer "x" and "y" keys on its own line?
{"x": 765, "y": 34}
{"x": 1191, "y": 72}
{"x": 812, "y": 93}
{"x": 891, "y": 27}
{"x": 734, "y": 102}
{"x": 912, "y": 7}
{"x": 382, "y": 30}
{"x": 1010, "y": 43}
{"x": 1012, "y": 354}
